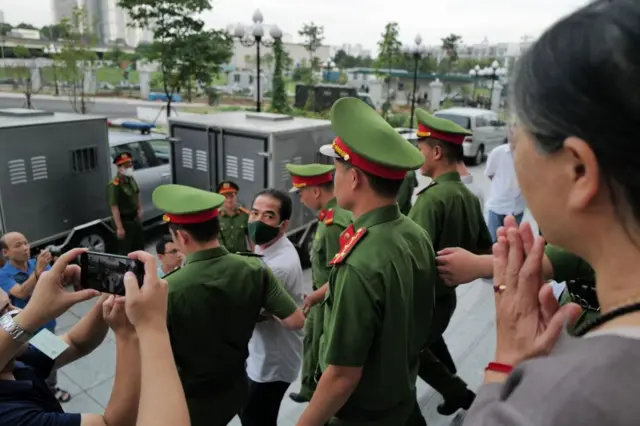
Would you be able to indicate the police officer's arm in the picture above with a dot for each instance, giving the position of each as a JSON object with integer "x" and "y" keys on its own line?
{"x": 331, "y": 241}
{"x": 278, "y": 303}
{"x": 112, "y": 195}
{"x": 427, "y": 212}
{"x": 352, "y": 328}
{"x": 458, "y": 266}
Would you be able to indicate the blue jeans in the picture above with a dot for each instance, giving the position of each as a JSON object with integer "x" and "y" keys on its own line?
{"x": 496, "y": 220}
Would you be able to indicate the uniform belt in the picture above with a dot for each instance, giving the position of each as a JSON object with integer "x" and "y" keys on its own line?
{"x": 583, "y": 292}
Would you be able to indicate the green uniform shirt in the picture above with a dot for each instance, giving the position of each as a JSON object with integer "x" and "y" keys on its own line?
{"x": 405, "y": 192}
{"x": 378, "y": 312}
{"x": 214, "y": 304}
{"x": 327, "y": 241}
{"x": 568, "y": 266}
{"x": 123, "y": 191}
{"x": 452, "y": 216}
{"x": 233, "y": 230}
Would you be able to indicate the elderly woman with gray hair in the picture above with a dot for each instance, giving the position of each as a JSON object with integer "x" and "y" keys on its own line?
{"x": 577, "y": 157}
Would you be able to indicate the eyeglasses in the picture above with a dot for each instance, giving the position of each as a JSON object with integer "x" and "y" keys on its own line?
{"x": 174, "y": 251}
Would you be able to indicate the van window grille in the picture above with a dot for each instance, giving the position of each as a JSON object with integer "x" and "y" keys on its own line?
{"x": 83, "y": 160}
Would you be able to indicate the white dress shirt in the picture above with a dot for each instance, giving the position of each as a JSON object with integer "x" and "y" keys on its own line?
{"x": 505, "y": 198}
{"x": 275, "y": 353}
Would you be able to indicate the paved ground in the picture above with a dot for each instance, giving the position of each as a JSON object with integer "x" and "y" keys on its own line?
{"x": 470, "y": 337}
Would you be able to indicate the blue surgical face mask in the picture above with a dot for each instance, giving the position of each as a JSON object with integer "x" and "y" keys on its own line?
{"x": 262, "y": 233}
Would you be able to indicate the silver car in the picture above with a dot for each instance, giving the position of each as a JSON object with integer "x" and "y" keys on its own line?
{"x": 150, "y": 163}
{"x": 489, "y": 131}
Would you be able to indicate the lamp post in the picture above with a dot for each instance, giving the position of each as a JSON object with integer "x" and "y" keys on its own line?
{"x": 494, "y": 73}
{"x": 416, "y": 51}
{"x": 255, "y": 37}
{"x": 475, "y": 73}
{"x": 53, "y": 50}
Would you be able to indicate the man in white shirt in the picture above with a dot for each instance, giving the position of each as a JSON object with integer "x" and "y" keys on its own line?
{"x": 505, "y": 199}
{"x": 275, "y": 353}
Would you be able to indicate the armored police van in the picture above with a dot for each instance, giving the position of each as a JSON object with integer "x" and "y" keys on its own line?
{"x": 250, "y": 149}
{"x": 54, "y": 170}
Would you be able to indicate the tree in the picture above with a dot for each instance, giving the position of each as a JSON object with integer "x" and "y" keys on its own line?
{"x": 389, "y": 52}
{"x": 78, "y": 59}
{"x": 23, "y": 72}
{"x": 180, "y": 47}
{"x": 52, "y": 32}
{"x": 25, "y": 26}
{"x": 5, "y": 28}
{"x": 450, "y": 45}
{"x": 313, "y": 36}
{"x": 279, "y": 99}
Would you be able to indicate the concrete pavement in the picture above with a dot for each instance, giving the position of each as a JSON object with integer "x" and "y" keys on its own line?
{"x": 470, "y": 336}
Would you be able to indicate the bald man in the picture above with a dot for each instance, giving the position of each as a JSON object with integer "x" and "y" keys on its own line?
{"x": 18, "y": 278}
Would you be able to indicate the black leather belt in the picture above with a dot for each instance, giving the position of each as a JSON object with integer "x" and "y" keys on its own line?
{"x": 583, "y": 292}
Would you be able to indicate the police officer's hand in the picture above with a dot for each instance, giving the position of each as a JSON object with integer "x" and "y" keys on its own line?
{"x": 120, "y": 233}
{"x": 310, "y": 301}
{"x": 146, "y": 306}
{"x": 458, "y": 266}
{"x": 43, "y": 260}
{"x": 529, "y": 319}
{"x": 50, "y": 299}
{"x": 113, "y": 311}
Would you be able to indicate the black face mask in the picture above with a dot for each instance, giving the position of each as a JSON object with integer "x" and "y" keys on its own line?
{"x": 261, "y": 233}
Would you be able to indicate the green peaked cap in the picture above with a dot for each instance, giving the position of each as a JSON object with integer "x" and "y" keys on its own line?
{"x": 309, "y": 170}
{"x": 181, "y": 199}
{"x": 439, "y": 124}
{"x": 368, "y": 135}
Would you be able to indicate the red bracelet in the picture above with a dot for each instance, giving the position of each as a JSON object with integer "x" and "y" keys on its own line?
{"x": 499, "y": 368}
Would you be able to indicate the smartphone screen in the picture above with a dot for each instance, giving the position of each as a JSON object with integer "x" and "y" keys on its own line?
{"x": 105, "y": 272}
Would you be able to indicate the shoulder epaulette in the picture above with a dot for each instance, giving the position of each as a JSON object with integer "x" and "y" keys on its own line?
{"x": 348, "y": 240}
{"x": 248, "y": 254}
{"x": 431, "y": 185}
{"x": 328, "y": 218}
{"x": 243, "y": 210}
{"x": 116, "y": 181}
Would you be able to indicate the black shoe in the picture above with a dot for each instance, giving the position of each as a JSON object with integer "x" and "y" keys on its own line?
{"x": 448, "y": 408}
{"x": 296, "y": 397}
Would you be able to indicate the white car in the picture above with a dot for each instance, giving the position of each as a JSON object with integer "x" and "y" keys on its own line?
{"x": 488, "y": 130}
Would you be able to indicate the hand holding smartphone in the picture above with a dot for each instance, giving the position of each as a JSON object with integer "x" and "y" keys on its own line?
{"x": 105, "y": 272}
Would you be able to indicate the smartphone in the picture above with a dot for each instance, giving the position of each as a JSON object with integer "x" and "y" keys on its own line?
{"x": 105, "y": 272}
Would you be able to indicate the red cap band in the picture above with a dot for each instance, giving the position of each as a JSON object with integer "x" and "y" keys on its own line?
{"x": 185, "y": 219}
{"x": 363, "y": 164}
{"x": 426, "y": 132}
{"x": 302, "y": 181}
{"x": 226, "y": 191}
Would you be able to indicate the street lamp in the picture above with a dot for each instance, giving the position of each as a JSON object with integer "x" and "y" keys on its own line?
{"x": 255, "y": 37}
{"x": 475, "y": 72}
{"x": 417, "y": 52}
{"x": 53, "y": 50}
{"x": 327, "y": 69}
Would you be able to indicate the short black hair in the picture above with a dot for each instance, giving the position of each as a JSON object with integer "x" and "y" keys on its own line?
{"x": 387, "y": 188}
{"x": 286, "y": 206}
{"x": 452, "y": 152}
{"x": 3, "y": 244}
{"x": 202, "y": 232}
{"x": 327, "y": 186}
{"x": 161, "y": 246}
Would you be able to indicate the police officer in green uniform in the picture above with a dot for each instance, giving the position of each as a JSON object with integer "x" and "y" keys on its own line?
{"x": 123, "y": 195}
{"x": 314, "y": 185}
{"x": 233, "y": 219}
{"x": 405, "y": 193}
{"x": 452, "y": 216}
{"x": 215, "y": 300}
{"x": 379, "y": 303}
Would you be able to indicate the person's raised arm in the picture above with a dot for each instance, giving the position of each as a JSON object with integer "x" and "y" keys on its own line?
{"x": 162, "y": 400}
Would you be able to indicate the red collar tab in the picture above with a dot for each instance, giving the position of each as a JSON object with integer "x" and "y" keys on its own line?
{"x": 328, "y": 220}
{"x": 304, "y": 181}
{"x": 186, "y": 219}
{"x": 427, "y": 132}
{"x": 348, "y": 240}
{"x": 363, "y": 164}
{"x": 321, "y": 215}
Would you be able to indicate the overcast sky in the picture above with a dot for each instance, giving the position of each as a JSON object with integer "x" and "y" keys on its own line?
{"x": 362, "y": 21}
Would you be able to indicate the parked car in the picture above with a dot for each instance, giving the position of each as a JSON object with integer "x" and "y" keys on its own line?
{"x": 489, "y": 131}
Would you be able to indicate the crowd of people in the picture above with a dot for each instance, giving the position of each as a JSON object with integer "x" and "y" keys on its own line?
{"x": 221, "y": 333}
